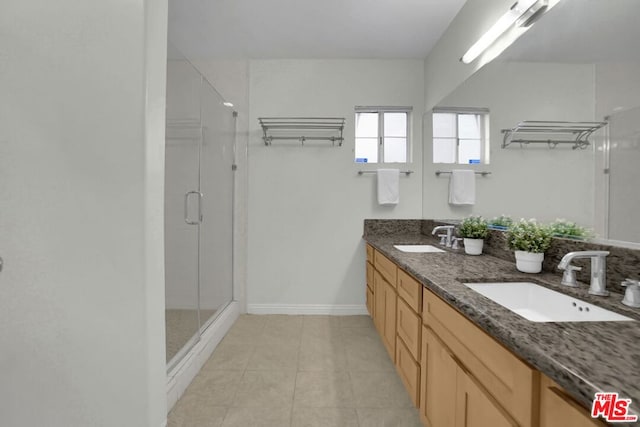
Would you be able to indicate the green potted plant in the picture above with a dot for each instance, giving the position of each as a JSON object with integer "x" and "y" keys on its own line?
{"x": 501, "y": 222}
{"x": 569, "y": 230}
{"x": 474, "y": 230}
{"x": 529, "y": 240}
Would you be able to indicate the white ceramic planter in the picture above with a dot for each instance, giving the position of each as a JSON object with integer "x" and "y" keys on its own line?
{"x": 473, "y": 246}
{"x": 529, "y": 262}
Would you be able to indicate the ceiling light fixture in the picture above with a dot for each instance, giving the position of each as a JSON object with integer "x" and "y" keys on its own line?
{"x": 227, "y": 104}
{"x": 523, "y": 14}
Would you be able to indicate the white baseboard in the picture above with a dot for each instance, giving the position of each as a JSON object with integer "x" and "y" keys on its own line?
{"x": 185, "y": 371}
{"x": 318, "y": 309}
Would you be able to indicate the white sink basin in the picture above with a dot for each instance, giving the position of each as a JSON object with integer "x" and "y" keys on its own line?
{"x": 418, "y": 248}
{"x": 540, "y": 304}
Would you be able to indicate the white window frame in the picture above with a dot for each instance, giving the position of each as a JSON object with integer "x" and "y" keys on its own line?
{"x": 380, "y": 111}
{"x": 484, "y": 131}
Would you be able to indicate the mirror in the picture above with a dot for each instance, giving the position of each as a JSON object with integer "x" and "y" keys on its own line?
{"x": 579, "y": 63}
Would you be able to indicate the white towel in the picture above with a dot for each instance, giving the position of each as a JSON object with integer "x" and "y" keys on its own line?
{"x": 462, "y": 187}
{"x": 388, "y": 186}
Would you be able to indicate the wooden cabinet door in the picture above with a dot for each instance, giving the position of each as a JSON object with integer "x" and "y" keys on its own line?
{"x": 379, "y": 302}
{"x": 475, "y": 407}
{"x": 408, "y": 326}
{"x": 384, "y": 296}
{"x": 389, "y": 335}
{"x": 370, "y": 302}
{"x": 437, "y": 383}
{"x": 557, "y": 409}
{"x": 409, "y": 371}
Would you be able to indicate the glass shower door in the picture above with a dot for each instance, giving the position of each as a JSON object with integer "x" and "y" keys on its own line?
{"x": 182, "y": 186}
{"x": 217, "y": 184}
{"x": 199, "y": 186}
{"x": 182, "y": 207}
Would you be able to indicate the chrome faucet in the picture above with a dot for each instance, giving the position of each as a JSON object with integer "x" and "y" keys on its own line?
{"x": 445, "y": 239}
{"x": 598, "y": 270}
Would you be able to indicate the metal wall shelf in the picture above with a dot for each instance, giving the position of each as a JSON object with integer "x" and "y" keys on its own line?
{"x": 302, "y": 129}
{"x": 575, "y": 133}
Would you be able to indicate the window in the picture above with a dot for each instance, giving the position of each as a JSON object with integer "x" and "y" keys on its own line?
{"x": 382, "y": 134}
{"x": 460, "y": 135}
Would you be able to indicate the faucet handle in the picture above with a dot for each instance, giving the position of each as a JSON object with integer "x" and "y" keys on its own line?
{"x": 443, "y": 239}
{"x": 569, "y": 276}
{"x": 454, "y": 242}
{"x": 632, "y": 294}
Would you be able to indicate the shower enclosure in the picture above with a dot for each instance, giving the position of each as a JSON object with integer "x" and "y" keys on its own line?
{"x": 199, "y": 183}
{"x": 624, "y": 174}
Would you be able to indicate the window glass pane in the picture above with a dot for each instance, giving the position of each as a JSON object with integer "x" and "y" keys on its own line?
{"x": 395, "y": 124}
{"x": 444, "y": 125}
{"x": 469, "y": 151}
{"x": 366, "y": 125}
{"x": 366, "y": 150}
{"x": 395, "y": 150}
{"x": 444, "y": 150}
{"x": 469, "y": 126}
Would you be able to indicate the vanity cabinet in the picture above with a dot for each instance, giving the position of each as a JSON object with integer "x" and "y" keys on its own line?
{"x": 486, "y": 370}
{"x": 385, "y": 300}
{"x": 558, "y": 409}
{"x": 385, "y": 312}
{"x": 451, "y": 396}
{"x": 396, "y": 315}
{"x": 437, "y": 386}
{"x": 370, "y": 285}
{"x": 475, "y": 407}
{"x": 408, "y": 333}
{"x": 457, "y": 374}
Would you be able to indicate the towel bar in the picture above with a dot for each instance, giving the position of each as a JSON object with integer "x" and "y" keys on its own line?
{"x": 483, "y": 173}
{"x": 407, "y": 173}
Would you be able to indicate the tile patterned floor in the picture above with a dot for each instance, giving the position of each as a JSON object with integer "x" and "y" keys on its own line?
{"x": 297, "y": 371}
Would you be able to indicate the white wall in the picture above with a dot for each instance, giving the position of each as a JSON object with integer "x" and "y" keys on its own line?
{"x": 81, "y": 163}
{"x": 535, "y": 181}
{"x": 307, "y": 204}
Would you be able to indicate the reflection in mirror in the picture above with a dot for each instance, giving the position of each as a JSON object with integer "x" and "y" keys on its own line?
{"x": 580, "y": 63}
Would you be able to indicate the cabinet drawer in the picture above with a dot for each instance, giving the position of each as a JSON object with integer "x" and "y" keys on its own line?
{"x": 370, "y": 301}
{"x": 370, "y": 251}
{"x": 369, "y": 275}
{"x": 408, "y": 324}
{"x": 508, "y": 379}
{"x": 410, "y": 290}
{"x": 409, "y": 371}
{"x": 386, "y": 267}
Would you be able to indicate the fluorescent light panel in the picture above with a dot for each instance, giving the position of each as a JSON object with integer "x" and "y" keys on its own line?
{"x": 505, "y": 22}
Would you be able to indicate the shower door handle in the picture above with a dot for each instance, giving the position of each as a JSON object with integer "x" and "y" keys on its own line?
{"x": 186, "y": 207}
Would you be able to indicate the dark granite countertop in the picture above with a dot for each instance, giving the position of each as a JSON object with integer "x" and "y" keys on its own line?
{"x": 583, "y": 357}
